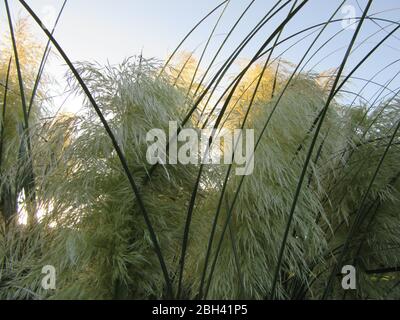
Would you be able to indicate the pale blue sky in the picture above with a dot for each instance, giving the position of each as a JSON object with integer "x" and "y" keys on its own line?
{"x": 101, "y": 29}
{"x": 104, "y": 29}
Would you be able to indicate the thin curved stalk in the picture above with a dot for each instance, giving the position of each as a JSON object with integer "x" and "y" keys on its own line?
{"x": 45, "y": 56}
{"x": 217, "y": 78}
{"x": 18, "y": 66}
{"x": 116, "y": 146}
{"x": 29, "y": 184}
{"x": 205, "y": 49}
{"x": 228, "y": 63}
{"x": 359, "y": 218}
{"x": 253, "y": 60}
{"x": 222, "y": 45}
{"x": 256, "y": 146}
{"x": 3, "y": 114}
{"x": 189, "y": 33}
{"x": 291, "y": 14}
{"x": 197, "y": 183}
{"x": 311, "y": 149}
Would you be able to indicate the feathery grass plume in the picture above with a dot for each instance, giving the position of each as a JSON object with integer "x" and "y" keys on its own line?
{"x": 89, "y": 194}
{"x": 270, "y": 83}
{"x": 375, "y": 245}
{"x": 12, "y": 177}
{"x": 260, "y": 213}
{"x": 22, "y": 257}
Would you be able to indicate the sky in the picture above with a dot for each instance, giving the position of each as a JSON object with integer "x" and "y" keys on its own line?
{"x": 105, "y": 30}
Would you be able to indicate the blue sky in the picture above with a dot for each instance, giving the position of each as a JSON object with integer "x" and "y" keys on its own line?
{"x": 112, "y": 30}
{"x": 105, "y": 29}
